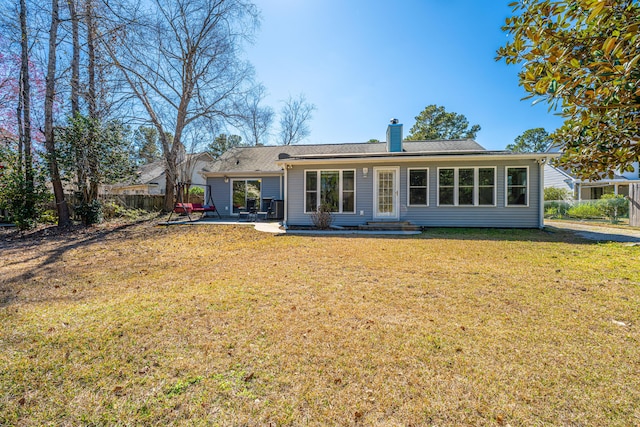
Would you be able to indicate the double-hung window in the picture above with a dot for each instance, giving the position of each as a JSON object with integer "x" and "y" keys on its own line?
{"x": 517, "y": 186}
{"x": 473, "y": 186}
{"x": 333, "y": 188}
{"x": 418, "y": 187}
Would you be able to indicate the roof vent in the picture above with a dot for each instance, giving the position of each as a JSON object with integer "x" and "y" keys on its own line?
{"x": 283, "y": 156}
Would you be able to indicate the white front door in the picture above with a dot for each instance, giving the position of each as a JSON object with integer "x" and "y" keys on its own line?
{"x": 385, "y": 192}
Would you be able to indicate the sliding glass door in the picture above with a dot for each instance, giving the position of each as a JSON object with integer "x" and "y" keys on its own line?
{"x": 243, "y": 190}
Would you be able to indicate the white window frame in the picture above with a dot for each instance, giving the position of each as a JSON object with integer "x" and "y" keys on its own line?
{"x": 506, "y": 186}
{"x": 409, "y": 186}
{"x": 340, "y": 189}
{"x": 231, "y": 181}
{"x": 476, "y": 187}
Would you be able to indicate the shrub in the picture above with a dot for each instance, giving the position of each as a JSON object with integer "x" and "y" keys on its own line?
{"x": 90, "y": 213}
{"x": 322, "y": 217}
{"x": 556, "y": 209}
{"x": 613, "y": 206}
{"x": 552, "y": 193}
{"x": 585, "y": 211}
{"x": 49, "y": 217}
{"x": 24, "y": 202}
{"x": 113, "y": 210}
{"x": 196, "y": 191}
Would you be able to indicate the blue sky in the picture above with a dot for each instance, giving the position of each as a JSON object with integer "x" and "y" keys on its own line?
{"x": 362, "y": 62}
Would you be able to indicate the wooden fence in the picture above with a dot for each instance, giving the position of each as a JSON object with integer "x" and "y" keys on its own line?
{"x": 135, "y": 201}
{"x": 132, "y": 201}
{"x": 634, "y": 205}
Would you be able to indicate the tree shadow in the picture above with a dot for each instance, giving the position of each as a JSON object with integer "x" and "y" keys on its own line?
{"x": 449, "y": 233}
{"x": 43, "y": 262}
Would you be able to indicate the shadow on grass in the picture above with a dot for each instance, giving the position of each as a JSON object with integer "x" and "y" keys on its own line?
{"x": 494, "y": 234}
{"x": 66, "y": 239}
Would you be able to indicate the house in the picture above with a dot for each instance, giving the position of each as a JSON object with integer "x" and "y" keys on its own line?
{"x": 151, "y": 178}
{"x": 454, "y": 183}
{"x": 558, "y": 177}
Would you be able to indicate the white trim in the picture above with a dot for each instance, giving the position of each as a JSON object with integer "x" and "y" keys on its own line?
{"x": 396, "y": 191}
{"x": 506, "y": 186}
{"x": 414, "y": 157}
{"x": 340, "y": 189}
{"x": 476, "y": 186}
{"x": 541, "y": 195}
{"x": 409, "y": 186}
{"x": 285, "y": 197}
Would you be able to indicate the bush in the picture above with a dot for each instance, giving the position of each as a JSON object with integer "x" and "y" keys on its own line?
{"x": 113, "y": 210}
{"x": 90, "y": 213}
{"x": 196, "y": 191}
{"x": 24, "y": 202}
{"x": 585, "y": 211}
{"x": 556, "y": 209}
{"x": 552, "y": 193}
{"x": 613, "y": 206}
{"x": 322, "y": 217}
{"x": 49, "y": 217}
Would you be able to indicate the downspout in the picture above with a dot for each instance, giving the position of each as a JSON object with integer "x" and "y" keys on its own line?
{"x": 541, "y": 164}
{"x": 286, "y": 196}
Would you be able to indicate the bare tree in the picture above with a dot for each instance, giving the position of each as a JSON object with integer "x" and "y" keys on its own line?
{"x": 24, "y": 109}
{"x": 75, "y": 57}
{"x": 257, "y": 119}
{"x": 183, "y": 66}
{"x": 294, "y": 120}
{"x": 61, "y": 204}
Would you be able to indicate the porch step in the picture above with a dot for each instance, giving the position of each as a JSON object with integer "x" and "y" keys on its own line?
{"x": 389, "y": 226}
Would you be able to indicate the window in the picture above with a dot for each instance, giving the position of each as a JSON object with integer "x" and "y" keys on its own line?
{"x": 418, "y": 187}
{"x": 486, "y": 186}
{"x": 517, "y": 186}
{"x": 467, "y": 186}
{"x": 335, "y": 188}
{"x": 446, "y": 186}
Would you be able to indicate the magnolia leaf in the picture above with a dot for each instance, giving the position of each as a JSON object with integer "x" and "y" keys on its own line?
{"x": 596, "y": 11}
{"x": 608, "y": 45}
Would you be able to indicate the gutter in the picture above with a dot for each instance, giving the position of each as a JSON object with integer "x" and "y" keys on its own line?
{"x": 413, "y": 157}
{"x": 237, "y": 174}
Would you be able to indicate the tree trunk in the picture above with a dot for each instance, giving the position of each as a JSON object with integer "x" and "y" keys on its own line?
{"x": 75, "y": 58}
{"x": 92, "y": 102}
{"x": 26, "y": 110}
{"x": 170, "y": 180}
{"x": 80, "y": 148}
{"x": 61, "y": 204}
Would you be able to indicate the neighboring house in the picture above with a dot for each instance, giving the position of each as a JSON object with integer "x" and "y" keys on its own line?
{"x": 151, "y": 178}
{"x": 429, "y": 183}
{"x": 558, "y": 177}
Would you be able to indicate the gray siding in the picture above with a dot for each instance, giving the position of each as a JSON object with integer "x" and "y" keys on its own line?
{"x": 556, "y": 179}
{"x": 271, "y": 187}
{"x": 221, "y": 191}
{"x": 432, "y": 215}
{"x": 221, "y": 195}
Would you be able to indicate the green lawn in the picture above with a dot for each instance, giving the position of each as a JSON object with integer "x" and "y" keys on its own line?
{"x": 223, "y": 325}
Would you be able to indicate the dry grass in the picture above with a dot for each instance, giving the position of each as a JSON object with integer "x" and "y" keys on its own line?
{"x": 222, "y": 325}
